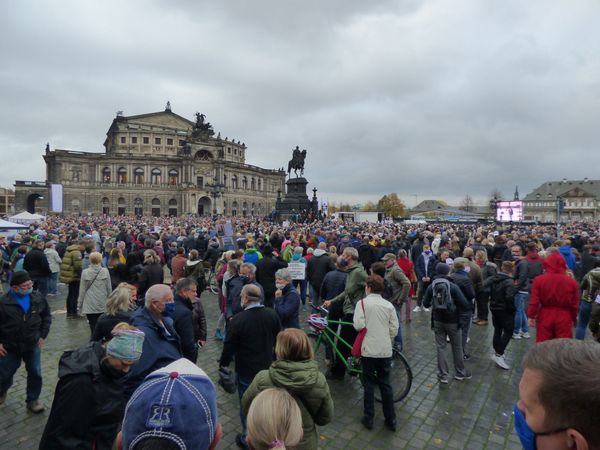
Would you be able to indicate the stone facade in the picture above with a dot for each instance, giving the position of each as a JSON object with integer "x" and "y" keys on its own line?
{"x": 580, "y": 199}
{"x": 160, "y": 164}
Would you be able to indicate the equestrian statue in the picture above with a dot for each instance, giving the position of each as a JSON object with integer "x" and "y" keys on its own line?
{"x": 297, "y": 162}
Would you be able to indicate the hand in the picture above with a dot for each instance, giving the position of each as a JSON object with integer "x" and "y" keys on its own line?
{"x": 531, "y": 323}
{"x": 201, "y": 343}
{"x": 278, "y": 293}
{"x": 3, "y": 351}
{"x": 40, "y": 342}
{"x": 327, "y": 304}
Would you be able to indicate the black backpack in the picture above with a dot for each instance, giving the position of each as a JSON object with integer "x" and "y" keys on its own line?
{"x": 441, "y": 298}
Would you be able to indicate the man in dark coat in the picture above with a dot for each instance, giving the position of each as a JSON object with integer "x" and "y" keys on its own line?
{"x": 36, "y": 264}
{"x": 24, "y": 325}
{"x": 317, "y": 267}
{"x": 462, "y": 280}
{"x": 265, "y": 273}
{"x": 185, "y": 295}
{"x": 287, "y": 301}
{"x": 367, "y": 254}
{"x": 251, "y": 340}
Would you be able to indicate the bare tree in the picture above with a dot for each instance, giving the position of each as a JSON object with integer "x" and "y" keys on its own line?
{"x": 467, "y": 203}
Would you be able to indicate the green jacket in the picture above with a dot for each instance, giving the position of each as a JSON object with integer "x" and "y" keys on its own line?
{"x": 354, "y": 290}
{"x": 70, "y": 268}
{"x": 305, "y": 382}
{"x": 590, "y": 285}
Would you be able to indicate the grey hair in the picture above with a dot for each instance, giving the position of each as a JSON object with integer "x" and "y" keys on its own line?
{"x": 234, "y": 264}
{"x": 252, "y": 291}
{"x": 284, "y": 274}
{"x": 151, "y": 257}
{"x": 185, "y": 283}
{"x": 251, "y": 267}
{"x": 298, "y": 250}
{"x": 156, "y": 293}
{"x": 351, "y": 252}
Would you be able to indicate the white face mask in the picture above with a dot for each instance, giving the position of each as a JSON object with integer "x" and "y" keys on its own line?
{"x": 280, "y": 285}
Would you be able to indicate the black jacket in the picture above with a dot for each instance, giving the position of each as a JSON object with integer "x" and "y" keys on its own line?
{"x": 212, "y": 254}
{"x": 488, "y": 270}
{"x": 234, "y": 290}
{"x": 183, "y": 324}
{"x": 265, "y": 272}
{"x": 150, "y": 275}
{"x": 502, "y": 292}
{"x": 333, "y": 284}
{"x": 20, "y": 332}
{"x": 88, "y": 403}
{"x": 461, "y": 303}
{"x": 367, "y": 255}
{"x": 462, "y": 280}
{"x": 317, "y": 267}
{"x": 251, "y": 339}
{"x": 36, "y": 264}
{"x": 106, "y": 323}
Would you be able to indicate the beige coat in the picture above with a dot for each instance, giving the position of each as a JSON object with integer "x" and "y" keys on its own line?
{"x": 381, "y": 323}
{"x": 94, "y": 289}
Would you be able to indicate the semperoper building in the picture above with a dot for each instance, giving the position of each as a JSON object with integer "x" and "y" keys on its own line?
{"x": 157, "y": 164}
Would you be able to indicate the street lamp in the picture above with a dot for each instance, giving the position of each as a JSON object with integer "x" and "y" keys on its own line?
{"x": 494, "y": 206}
{"x": 560, "y": 204}
{"x": 216, "y": 190}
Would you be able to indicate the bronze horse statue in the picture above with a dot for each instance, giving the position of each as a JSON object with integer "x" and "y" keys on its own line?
{"x": 297, "y": 162}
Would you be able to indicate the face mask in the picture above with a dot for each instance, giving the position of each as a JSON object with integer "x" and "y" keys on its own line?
{"x": 110, "y": 371}
{"x": 169, "y": 308}
{"x": 467, "y": 269}
{"x": 244, "y": 279}
{"x": 428, "y": 252}
{"x": 280, "y": 285}
{"x": 24, "y": 293}
{"x": 343, "y": 263}
{"x": 526, "y": 434}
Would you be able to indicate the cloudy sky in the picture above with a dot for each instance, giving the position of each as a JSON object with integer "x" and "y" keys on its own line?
{"x": 429, "y": 99}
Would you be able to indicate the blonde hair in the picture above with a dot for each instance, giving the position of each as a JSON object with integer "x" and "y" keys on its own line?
{"x": 274, "y": 420}
{"x": 293, "y": 345}
{"x": 95, "y": 258}
{"x": 118, "y": 301}
{"x": 150, "y": 257}
{"x": 481, "y": 255}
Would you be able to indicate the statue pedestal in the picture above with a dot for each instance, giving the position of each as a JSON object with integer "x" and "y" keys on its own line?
{"x": 295, "y": 202}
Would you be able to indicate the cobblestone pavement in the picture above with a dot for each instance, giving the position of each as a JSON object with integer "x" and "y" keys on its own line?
{"x": 473, "y": 414}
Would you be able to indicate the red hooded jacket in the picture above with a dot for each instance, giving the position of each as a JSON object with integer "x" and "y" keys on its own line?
{"x": 554, "y": 289}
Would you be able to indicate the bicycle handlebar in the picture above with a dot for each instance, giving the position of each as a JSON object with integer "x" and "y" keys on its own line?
{"x": 319, "y": 308}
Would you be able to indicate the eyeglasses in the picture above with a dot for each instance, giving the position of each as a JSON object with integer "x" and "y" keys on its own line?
{"x": 550, "y": 433}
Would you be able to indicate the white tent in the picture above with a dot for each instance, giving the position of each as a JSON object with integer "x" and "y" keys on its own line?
{"x": 26, "y": 218}
{"x": 6, "y": 225}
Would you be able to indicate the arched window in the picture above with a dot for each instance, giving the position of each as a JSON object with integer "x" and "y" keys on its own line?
{"x": 173, "y": 207}
{"x": 105, "y": 206}
{"x": 138, "y": 207}
{"x": 234, "y": 182}
{"x": 122, "y": 175}
{"x": 155, "y": 207}
{"x": 155, "y": 176}
{"x": 121, "y": 206}
{"x": 75, "y": 205}
{"x": 252, "y": 183}
{"x": 173, "y": 177}
{"x": 244, "y": 209}
{"x": 224, "y": 180}
{"x": 224, "y": 207}
{"x": 234, "y": 208}
{"x": 106, "y": 175}
{"x": 253, "y": 209}
{"x": 138, "y": 176}
{"x": 244, "y": 183}
{"x": 203, "y": 155}
{"x": 259, "y": 184}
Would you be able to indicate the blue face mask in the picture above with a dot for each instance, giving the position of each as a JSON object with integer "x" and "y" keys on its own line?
{"x": 244, "y": 279}
{"x": 169, "y": 309}
{"x": 526, "y": 434}
{"x": 24, "y": 293}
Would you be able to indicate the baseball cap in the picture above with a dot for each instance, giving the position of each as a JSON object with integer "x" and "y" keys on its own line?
{"x": 177, "y": 403}
{"x": 388, "y": 256}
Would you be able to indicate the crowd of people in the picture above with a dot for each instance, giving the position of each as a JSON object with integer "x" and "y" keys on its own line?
{"x": 145, "y": 335}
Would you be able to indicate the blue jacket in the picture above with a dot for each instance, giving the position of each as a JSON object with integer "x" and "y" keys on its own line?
{"x": 161, "y": 347}
{"x": 287, "y": 307}
{"x": 567, "y": 254}
{"x": 422, "y": 271}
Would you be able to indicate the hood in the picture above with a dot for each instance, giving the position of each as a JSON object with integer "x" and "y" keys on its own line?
{"x": 296, "y": 257}
{"x": 214, "y": 245}
{"x": 500, "y": 276}
{"x": 319, "y": 252}
{"x": 251, "y": 250}
{"x": 83, "y": 360}
{"x": 595, "y": 274}
{"x": 295, "y": 376}
{"x": 565, "y": 250}
{"x": 555, "y": 263}
{"x": 192, "y": 263}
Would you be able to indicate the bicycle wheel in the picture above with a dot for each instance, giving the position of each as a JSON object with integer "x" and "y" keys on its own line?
{"x": 400, "y": 377}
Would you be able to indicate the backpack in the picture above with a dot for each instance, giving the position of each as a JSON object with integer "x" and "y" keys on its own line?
{"x": 441, "y": 298}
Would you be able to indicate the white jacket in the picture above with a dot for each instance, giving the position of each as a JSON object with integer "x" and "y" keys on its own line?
{"x": 381, "y": 323}
{"x": 53, "y": 259}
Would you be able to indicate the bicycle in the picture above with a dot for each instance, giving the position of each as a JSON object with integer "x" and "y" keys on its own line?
{"x": 401, "y": 373}
{"x": 211, "y": 279}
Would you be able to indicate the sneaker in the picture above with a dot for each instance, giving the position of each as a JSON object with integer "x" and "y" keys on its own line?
{"x": 516, "y": 336}
{"x": 466, "y": 357}
{"x": 367, "y": 422}
{"x": 501, "y": 362}
{"x": 468, "y": 339}
{"x": 466, "y": 376}
{"x": 427, "y": 309}
{"x": 443, "y": 379}
{"x": 36, "y": 406}
{"x": 481, "y": 322}
{"x": 526, "y": 335}
{"x": 218, "y": 335}
{"x": 417, "y": 309}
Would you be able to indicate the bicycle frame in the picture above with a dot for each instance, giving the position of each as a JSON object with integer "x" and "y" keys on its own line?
{"x": 329, "y": 335}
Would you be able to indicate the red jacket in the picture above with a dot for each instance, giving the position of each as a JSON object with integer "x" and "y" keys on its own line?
{"x": 554, "y": 289}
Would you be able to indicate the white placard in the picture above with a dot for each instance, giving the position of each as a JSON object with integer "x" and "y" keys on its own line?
{"x": 297, "y": 270}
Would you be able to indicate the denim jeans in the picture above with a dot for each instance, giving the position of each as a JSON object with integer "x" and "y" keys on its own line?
{"x": 12, "y": 361}
{"x": 583, "y": 319}
{"x": 41, "y": 285}
{"x": 53, "y": 283}
{"x": 521, "y": 316}
{"x": 398, "y": 338}
{"x": 242, "y": 386}
{"x": 314, "y": 294}
{"x": 302, "y": 284}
